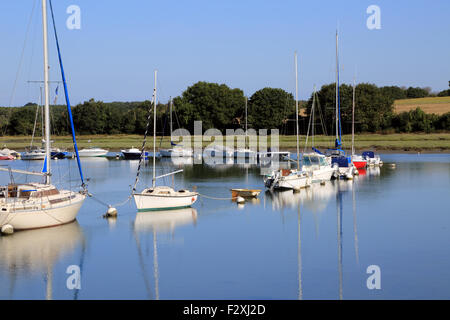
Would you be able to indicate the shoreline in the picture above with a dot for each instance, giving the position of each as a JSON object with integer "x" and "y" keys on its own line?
{"x": 408, "y": 143}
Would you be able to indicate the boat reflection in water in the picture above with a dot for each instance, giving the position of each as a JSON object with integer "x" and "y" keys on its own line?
{"x": 370, "y": 172}
{"x": 178, "y": 161}
{"x": 152, "y": 223}
{"x": 314, "y": 198}
{"x": 37, "y": 251}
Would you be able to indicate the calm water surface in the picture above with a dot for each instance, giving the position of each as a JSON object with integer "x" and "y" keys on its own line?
{"x": 316, "y": 244}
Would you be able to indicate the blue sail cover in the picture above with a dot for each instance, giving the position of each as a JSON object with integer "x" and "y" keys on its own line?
{"x": 317, "y": 150}
{"x": 341, "y": 161}
{"x": 368, "y": 154}
{"x": 66, "y": 93}
{"x": 44, "y": 167}
{"x": 173, "y": 143}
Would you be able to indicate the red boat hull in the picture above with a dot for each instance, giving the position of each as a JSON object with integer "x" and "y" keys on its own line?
{"x": 360, "y": 164}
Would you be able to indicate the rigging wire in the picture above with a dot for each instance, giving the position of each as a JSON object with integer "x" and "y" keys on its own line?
{"x": 21, "y": 55}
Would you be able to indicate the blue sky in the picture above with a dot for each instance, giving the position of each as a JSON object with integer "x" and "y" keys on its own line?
{"x": 245, "y": 44}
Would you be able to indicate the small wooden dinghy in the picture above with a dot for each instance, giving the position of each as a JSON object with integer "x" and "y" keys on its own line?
{"x": 245, "y": 193}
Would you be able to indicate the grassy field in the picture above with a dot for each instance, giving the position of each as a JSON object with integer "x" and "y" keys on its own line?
{"x": 388, "y": 142}
{"x": 437, "y": 105}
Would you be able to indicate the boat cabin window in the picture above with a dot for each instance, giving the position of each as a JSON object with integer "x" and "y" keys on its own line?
{"x": 323, "y": 161}
{"x": 314, "y": 160}
{"x": 306, "y": 161}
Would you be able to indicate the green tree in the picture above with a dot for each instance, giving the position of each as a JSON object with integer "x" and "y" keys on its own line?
{"x": 416, "y": 92}
{"x": 393, "y": 92}
{"x": 268, "y": 108}
{"x": 373, "y": 110}
{"x": 216, "y": 105}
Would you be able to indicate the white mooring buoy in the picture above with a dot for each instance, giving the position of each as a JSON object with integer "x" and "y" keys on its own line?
{"x": 111, "y": 212}
{"x": 7, "y": 229}
{"x": 240, "y": 200}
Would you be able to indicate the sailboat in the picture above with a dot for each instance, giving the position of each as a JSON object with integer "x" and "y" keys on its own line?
{"x": 245, "y": 152}
{"x": 358, "y": 161}
{"x": 160, "y": 197}
{"x": 37, "y": 205}
{"x": 290, "y": 178}
{"x": 176, "y": 150}
{"x": 33, "y": 152}
{"x": 338, "y": 156}
{"x": 316, "y": 162}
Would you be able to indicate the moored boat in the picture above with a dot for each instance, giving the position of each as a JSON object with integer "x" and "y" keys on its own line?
{"x": 160, "y": 197}
{"x": 358, "y": 161}
{"x": 372, "y": 159}
{"x": 38, "y": 205}
{"x": 33, "y": 154}
{"x": 246, "y": 193}
{"x": 92, "y": 152}
{"x": 318, "y": 167}
{"x": 295, "y": 179}
{"x": 132, "y": 154}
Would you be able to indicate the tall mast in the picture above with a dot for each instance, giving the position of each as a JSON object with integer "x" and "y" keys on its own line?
{"x": 337, "y": 89}
{"x": 46, "y": 93}
{"x": 296, "y": 109}
{"x": 154, "y": 133}
{"x": 353, "y": 119}
{"x": 312, "y": 116}
{"x": 246, "y": 116}
{"x": 171, "y": 128}
{"x": 245, "y": 122}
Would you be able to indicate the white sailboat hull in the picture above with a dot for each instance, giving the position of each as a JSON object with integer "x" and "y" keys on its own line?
{"x": 92, "y": 153}
{"x": 322, "y": 174}
{"x": 39, "y": 217}
{"x": 150, "y": 202}
{"x": 164, "y": 198}
{"x": 33, "y": 156}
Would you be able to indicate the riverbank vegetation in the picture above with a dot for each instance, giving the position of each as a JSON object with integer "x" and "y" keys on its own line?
{"x": 406, "y": 142}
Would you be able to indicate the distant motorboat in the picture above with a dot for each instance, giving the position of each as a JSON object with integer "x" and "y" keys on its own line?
{"x": 372, "y": 158}
{"x": 9, "y": 154}
{"x": 318, "y": 167}
{"x": 132, "y": 153}
{"x": 359, "y": 161}
{"x": 6, "y": 157}
{"x": 92, "y": 152}
{"x": 286, "y": 179}
{"x": 176, "y": 152}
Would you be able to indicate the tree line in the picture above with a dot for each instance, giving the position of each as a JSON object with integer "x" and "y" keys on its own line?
{"x": 221, "y": 107}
